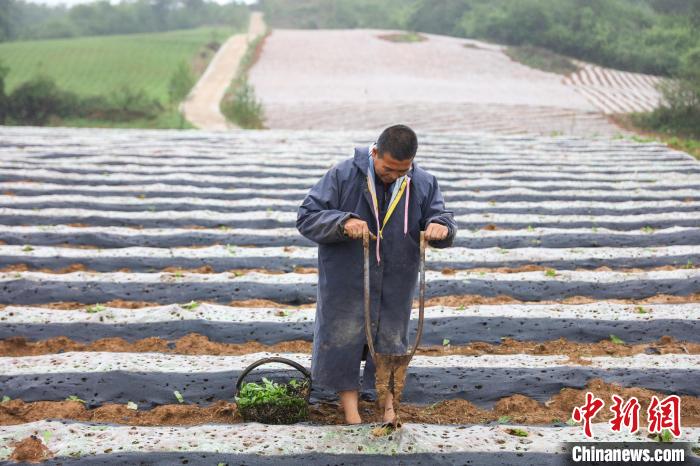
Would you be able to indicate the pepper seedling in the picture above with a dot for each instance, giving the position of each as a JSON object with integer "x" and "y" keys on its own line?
{"x": 272, "y": 402}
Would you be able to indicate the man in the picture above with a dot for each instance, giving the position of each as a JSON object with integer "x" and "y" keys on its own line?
{"x": 380, "y": 190}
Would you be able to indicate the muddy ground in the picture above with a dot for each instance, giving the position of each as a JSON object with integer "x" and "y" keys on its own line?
{"x": 196, "y": 344}
{"x": 448, "y": 300}
{"x": 519, "y": 409}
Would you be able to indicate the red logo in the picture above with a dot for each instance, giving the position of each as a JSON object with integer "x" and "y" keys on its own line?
{"x": 665, "y": 414}
{"x": 627, "y": 414}
{"x": 587, "y": 411}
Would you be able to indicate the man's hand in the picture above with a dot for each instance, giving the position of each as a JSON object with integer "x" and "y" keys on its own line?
{"x": 355, "y": 228}
{"x": 435, "y": 231}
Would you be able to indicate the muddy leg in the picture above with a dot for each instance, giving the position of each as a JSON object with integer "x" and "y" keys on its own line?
{"x": 382, "y": 378}
{"x": 389, "y": 412}
{"x": 397, "y": 389}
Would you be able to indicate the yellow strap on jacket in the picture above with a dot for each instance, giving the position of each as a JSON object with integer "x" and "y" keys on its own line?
{"x": 392, "y": 206}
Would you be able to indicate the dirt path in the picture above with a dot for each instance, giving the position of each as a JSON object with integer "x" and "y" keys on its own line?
{"x": 201, "y": 108}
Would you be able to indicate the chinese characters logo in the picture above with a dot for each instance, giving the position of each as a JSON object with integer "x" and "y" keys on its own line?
{"x": 664, "y": 414}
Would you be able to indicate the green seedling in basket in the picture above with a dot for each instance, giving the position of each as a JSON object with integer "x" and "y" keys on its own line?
{"x": 273, "y": 403}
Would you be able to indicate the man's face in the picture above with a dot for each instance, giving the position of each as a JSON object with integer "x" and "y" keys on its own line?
{"x": 388, "y": 168}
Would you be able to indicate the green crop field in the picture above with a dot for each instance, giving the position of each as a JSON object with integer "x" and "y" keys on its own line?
{"x": 101, "y": 64}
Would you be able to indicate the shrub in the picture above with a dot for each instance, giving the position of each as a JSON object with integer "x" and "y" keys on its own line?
{"x": 542, "y": 59}
{"x": 127, "y": 104}
{"x": 181, "y": 82}
{"x": 680, "y": 112}
{"x": 245, "y": 109}
{"x": 4, "y": 102}
{"x": 35, "y": 101}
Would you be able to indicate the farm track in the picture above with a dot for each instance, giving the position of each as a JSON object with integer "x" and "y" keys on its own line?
{"x": 137, "y": 263}
{"x": 201, "y": 107}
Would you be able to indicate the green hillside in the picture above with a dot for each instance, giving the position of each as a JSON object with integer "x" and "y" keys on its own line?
{"x": 101, "y": 64}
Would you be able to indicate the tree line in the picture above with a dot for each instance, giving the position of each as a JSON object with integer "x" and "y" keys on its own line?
{"x": 21, "y": 20}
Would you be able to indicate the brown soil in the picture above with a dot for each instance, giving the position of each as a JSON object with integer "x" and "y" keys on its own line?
{"x": 238, "y": 272}
{"x": 471, "y": 299}
{"x": 22, "y": 267}
{"x": 267, "y": 303}
{"x": 300, "y": 269}
{"x": 120, "y": 303}
{"x": 527, "y": 410}
{"x": 537, "y": 268}
{"x": 202, "y": 269}
{"x": 452, "y": 300}
{"x": 519, "y": 409}
{"x": 31, "y": 450}
{"x": 26, "y": 268}
{"x": 197, "y": 344}
{"x": 15, "y": 268}
{"x": 18, "y": 412}
{"x": 573, "y": 350}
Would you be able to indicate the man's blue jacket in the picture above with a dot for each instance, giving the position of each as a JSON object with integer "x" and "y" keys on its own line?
{"x": 339, "y": 334}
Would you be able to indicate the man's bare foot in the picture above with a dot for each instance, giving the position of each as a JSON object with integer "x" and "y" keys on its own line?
{"x": 353, "y": 418}
{"x": 348, "y": 402}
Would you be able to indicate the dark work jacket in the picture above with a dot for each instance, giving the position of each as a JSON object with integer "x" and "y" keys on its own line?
{"x": 339, "y": 335}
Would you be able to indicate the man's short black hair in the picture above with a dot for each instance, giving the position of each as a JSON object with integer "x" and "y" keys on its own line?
{"x": 400, "y": 141}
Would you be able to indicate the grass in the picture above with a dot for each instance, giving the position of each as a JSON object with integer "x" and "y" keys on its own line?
{"x": 633, "y": 122}
{"x": 95, "y": 308}
{"x": 541, "y": 59}
{"x": 665, "y": 436}
{"x": 191, "y": 306}
{"x": 169, "y": 119}
{"x": 100, "y": 64}
{"x": 408, "y": 36}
